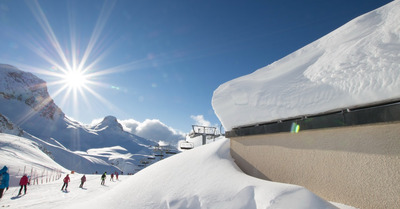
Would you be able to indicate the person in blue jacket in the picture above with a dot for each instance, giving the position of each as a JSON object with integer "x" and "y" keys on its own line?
{"x": 4, "y": 180}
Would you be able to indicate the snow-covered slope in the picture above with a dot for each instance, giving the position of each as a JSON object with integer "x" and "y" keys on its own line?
{"x": 70, "y": 160}
{"x": 357, "y": 64}
{"x": 23, "y": 156}
{"x": 205, "y": 177}
{"x": 25, "y": 102}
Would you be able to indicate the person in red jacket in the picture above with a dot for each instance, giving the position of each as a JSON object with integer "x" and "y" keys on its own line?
{"x": 66, "y": 180}
{"x": 23, "y": 182}
{"x": 83, "y": 179}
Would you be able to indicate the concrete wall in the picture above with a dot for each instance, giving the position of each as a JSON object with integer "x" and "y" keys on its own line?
{"x": 357, "y": 166}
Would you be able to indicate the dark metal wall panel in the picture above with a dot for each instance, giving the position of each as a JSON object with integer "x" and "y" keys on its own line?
{"x": 349, "y": 117}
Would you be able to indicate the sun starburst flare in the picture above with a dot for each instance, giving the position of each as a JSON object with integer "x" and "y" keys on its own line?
{"x": 73, "y": 68}
{"x": 75, "y": 79}
{"x": 73, "y": 74}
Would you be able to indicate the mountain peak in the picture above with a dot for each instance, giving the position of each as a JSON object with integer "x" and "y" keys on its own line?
{"x": 110, "y": 122}
{"x": 29, "y": 89}
{"x": 110, "y": 118}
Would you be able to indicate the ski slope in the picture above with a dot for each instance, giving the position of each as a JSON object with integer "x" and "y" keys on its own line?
{"x": 204, "y": 177}
{"x": 49, "y": 195}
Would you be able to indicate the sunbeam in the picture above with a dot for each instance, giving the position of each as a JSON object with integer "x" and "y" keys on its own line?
{"x": 72, "y": 72}
{"x": 47, "y": 29}
{"x": 103, "y": 17}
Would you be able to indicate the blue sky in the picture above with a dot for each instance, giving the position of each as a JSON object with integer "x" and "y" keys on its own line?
{"x": 159, "y": 59}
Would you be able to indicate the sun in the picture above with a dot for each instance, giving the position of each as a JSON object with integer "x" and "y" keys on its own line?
{"x": 75, "y": 79}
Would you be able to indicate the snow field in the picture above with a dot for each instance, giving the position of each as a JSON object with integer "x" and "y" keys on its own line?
{"x": 49, "y": 195}
{"x": 204, "y": 177}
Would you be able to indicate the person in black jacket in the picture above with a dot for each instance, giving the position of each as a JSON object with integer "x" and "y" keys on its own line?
{"x": 103, "y": 178}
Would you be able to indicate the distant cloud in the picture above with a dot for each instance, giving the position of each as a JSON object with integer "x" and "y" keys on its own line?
{"x": 199, "y": 120}
{"x": 153, "y": 129}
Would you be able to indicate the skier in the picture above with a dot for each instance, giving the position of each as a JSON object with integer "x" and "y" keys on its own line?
{"x": 4, "y": 180}
{"x": 23, "y": 182}
{"x": 116, "y": 175}
{"x": 112, "y": 177}
{"x": 83, "y": 179}
{"x": 66, "y": 180}
{"x": 103, "y": 178}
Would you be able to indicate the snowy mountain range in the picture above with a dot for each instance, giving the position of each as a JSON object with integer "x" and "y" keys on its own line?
{"x": 27, "y": 110}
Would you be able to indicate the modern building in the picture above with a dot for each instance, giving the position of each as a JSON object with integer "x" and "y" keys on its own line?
{"x": 351, "y": 157}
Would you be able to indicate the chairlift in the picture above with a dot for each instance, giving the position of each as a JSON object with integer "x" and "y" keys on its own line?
{"x": 186, "y": 145}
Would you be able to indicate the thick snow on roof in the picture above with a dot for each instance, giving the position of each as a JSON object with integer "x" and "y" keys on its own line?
{"x": 357, "y": 64}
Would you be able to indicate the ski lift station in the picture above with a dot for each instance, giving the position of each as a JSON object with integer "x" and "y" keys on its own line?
{"x": 200, "y": 135}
